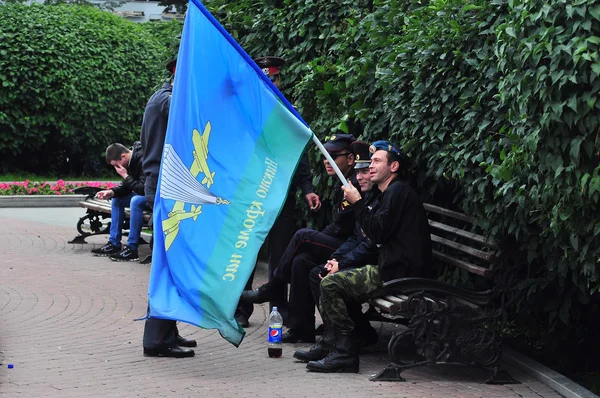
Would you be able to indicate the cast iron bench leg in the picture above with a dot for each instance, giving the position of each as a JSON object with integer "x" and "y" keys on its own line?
{"x": 95, "y": 220}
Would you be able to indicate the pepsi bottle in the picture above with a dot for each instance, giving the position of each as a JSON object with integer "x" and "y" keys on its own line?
{"x": 275, "y": 328}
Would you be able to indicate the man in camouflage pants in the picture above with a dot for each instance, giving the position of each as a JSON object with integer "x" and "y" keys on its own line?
{"x": 399, "y": 226}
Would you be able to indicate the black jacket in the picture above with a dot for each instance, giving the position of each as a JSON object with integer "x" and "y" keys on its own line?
{"x": 154, "y": 130}
{"x": 359, "y": 250}
{"x": 343, "y": 222}
{"x": 135, "y": 178}
{"x": 401, "y": 229}
{"x": 302, "y": 178}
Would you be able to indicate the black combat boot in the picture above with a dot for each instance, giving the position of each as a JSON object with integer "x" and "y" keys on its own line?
{"x": 343, "y": 358}
{"x": 319, "y": 350}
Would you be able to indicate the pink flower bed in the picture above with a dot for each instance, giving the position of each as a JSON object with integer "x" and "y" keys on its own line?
{"x": 46, "y": 188}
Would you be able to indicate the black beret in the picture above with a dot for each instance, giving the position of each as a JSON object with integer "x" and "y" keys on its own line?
{"x": 339, "y": 142}
{"x": 270, "y": 65}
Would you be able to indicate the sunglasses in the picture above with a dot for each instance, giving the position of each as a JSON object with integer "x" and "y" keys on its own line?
{"x": 335, "y": 155}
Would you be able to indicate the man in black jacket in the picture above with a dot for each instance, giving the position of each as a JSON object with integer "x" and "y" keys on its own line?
{"x": 129, "y": 193}
{"x": 161, "y": 336}
{"x": 400, "y": 228}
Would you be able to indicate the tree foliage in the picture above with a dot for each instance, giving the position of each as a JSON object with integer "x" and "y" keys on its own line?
{"x": 72, "y": 80}
{"x": 495, "y": 101}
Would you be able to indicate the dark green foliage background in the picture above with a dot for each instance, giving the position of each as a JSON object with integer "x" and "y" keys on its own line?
{"x": 495, "y": 101}
{"x": 73, "y": 79}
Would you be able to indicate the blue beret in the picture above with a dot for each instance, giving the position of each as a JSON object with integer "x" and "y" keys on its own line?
{"x": 387, "y": 146}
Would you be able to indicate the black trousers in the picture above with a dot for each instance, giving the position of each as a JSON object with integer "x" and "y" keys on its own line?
{"x": 158, "y": 332}
{"x": 317, "y": 244}
{"x": 307, "y": 249}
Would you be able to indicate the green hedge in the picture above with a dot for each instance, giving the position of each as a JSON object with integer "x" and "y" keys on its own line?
{"x": 496, "y": 101}
{"x": 73, "y": 79}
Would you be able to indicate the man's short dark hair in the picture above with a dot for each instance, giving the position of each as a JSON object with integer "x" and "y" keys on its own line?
{"x": 114, "y": 152}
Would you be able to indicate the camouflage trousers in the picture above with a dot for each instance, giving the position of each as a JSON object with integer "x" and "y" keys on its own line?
{"x": 358, "y": 284}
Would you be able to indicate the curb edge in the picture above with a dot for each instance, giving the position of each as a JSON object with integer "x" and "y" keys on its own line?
{"x": 556, "y": 381}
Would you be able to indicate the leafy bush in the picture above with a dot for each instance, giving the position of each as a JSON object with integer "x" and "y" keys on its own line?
{"x": 495, "y": 101}
{"x": 73, "y": 79}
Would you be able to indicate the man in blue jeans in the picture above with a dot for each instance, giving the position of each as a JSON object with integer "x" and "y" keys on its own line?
{"x": 130, "y": 193}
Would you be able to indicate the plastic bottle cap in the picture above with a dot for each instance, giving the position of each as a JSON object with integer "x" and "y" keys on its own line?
{"x": 274, "y": 308}
{"x": 10, "y": 366}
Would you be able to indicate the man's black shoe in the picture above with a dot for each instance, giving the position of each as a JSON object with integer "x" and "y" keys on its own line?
{"x": 298, "y": 336}
{"x": 183, "y": 342}
{"x": 260, "y": 295}
{"x": 106, "y": 250}
{"x": 242, "y": 320}
{"x": 171, "y": 352}
{"x": 126, "y": 255}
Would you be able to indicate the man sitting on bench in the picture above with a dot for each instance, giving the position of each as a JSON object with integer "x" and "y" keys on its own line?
{"x": 400, "y": 228}
{"x": 130, "y": 193}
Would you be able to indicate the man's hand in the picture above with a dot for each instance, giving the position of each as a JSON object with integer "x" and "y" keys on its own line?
{"x": 351, "y": 194}
{"x": 106, "y": 194}
{"x": 333, "y": 267}
{"x": 314, "y": 203}
{"x": 122, "y": 171}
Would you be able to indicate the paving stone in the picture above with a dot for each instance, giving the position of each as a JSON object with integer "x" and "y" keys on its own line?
{"x": 67, "y": 323}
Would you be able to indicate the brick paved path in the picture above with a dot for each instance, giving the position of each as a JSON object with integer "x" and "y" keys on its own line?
{"x": 67, "y": 324}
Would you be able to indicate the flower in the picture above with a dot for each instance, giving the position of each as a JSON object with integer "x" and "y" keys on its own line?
{"x": 60, "y": 187}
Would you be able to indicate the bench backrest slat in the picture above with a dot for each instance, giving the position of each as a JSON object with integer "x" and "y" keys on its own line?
{"x": 475, "y": 269}
{"x": 465, "y": 234}
{"x": 487, "y": 257}
{"x": 449, "y": 213}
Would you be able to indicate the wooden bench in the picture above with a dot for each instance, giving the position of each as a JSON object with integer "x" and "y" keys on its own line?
{"x": 98, "y": 216}
{"x": 447, "y": 323}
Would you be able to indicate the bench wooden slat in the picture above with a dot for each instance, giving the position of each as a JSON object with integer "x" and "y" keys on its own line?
{"x": 465, "y": 234}
{"x": 449, "y": 213}
{"x": 489, "y": 257}
{"x": 95, "y": 206}
{"x": 399, "y": 299}
{"x": 476, "y": 269}
{"x": 104, "y": 206}
{"x": 385, "y": 305}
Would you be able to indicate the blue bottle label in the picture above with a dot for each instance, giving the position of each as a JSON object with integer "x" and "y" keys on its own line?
{"x": 275, "y": 335}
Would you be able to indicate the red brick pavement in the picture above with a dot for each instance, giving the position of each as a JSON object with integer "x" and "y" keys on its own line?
{"x": 67, "y": 324}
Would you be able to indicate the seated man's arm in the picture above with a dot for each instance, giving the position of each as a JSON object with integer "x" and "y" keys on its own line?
{"x": 381, "y": 223}
{"x": 136, "y": 185}
{"x": 365, "y": 253}
{"x": 350, "y": 244}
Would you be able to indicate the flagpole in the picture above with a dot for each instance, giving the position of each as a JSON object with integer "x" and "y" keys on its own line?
{"x": 274, "y": 88}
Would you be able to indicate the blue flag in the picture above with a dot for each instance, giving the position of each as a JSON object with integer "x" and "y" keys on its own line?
{"x": 232, "y": 146}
